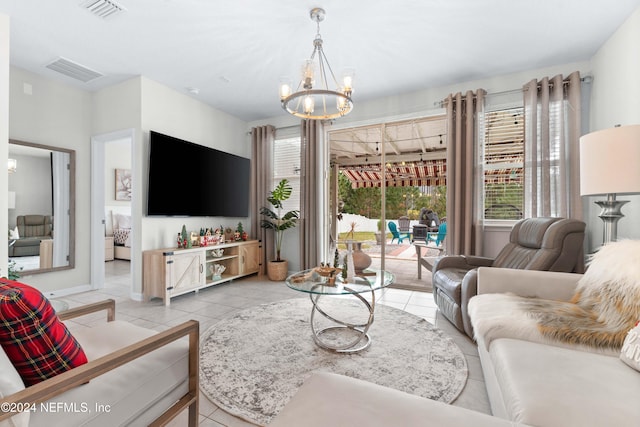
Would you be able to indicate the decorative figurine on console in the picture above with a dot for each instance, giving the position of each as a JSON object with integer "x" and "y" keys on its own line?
{"x": 239, "y": 232}
{"x": 186, "y": 239}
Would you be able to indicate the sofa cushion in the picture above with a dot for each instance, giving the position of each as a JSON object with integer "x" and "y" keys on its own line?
{"x": 546, "y": 385}
{"x": 10, "y": 382}
{"x": 37, "y": 343}
{"x": 134, "y": 394}
{"x": 630, "y": 353}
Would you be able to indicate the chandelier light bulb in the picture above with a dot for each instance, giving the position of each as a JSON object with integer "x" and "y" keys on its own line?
{"x": 309, "y": 104}
{"x": 347, "y": 80}
{"x": 285, "y": 88}
{"x": 308, "y": 72}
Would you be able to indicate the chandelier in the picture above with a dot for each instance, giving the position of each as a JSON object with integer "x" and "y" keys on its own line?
{"x": 313, "y": 99}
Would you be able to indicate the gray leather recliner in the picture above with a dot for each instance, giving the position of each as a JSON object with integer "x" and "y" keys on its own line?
{"x": 31, "y": 229}
{"x": 544, "y": 244}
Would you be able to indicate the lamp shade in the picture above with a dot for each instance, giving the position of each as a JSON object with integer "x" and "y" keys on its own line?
{"x": 610, "y": 161}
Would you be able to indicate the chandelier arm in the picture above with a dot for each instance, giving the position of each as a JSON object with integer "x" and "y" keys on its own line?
{"x": 335, "y": 81}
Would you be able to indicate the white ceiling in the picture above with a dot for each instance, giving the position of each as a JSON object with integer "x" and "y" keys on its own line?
{"x": 235, "y": 52}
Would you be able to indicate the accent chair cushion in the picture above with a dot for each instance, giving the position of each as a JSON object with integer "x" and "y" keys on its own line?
{"x": 38, "y": 344}
{"x": 10, "y": 383}
{"x": 631, "y": 348}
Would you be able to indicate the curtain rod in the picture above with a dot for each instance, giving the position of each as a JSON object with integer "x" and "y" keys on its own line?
{"x": 280, "y": 128}
{"x": 586, "y": 79}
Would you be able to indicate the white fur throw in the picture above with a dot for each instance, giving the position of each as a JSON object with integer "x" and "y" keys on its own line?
{"x": 603, "y": 309}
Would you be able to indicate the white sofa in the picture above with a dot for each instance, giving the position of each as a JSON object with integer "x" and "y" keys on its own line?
{"x": 327, "y": 399}
{"x": 528, "y": 383}
{"x": 552, "y": 385}
{"x": 134, "y": 377}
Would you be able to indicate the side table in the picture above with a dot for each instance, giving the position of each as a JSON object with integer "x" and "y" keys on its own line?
{"x": 317, "y": 286}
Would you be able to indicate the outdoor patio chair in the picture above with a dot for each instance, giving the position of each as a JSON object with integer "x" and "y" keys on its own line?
{"x": 438, "y": 237}
{"x": 397, "y": 235}
{"x": 404, "y": 224}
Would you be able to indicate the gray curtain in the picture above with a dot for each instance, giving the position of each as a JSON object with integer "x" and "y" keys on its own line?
{"x": 464, "y": 233}
{"x": 552, "y": 109}
{"x": 309, "y": 210}
{"x": 261, "y": 177}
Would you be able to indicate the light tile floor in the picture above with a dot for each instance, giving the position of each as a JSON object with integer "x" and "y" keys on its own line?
{"x": 210, "y": 305}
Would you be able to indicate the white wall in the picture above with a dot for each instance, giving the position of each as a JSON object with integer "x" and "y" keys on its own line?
{"x": 144, "y": 105}
{"x": 57, "y": 115}
{"x": 615, "y": 99}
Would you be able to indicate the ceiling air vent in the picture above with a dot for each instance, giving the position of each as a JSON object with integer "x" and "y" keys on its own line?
{"x": 73, "y": 70}
{"x": 103, "y": 8}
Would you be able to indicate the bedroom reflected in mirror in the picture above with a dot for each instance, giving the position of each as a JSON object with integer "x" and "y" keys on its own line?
{"x": 41, "y": 208}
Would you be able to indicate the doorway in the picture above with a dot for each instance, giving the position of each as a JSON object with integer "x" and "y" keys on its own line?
{"x": 406, "y": 159}
{"x": 104, "y": 198}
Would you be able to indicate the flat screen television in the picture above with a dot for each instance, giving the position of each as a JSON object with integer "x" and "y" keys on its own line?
{"x": 187, "y": 179}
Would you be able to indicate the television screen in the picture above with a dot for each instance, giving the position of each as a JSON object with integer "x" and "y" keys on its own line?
{"x": 187, "y": 179}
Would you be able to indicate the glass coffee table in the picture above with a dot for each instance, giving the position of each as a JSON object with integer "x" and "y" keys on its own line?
{"x": 317, "y": 286}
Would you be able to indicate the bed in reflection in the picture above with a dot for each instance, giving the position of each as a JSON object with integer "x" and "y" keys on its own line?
{"x": 118, "y": 232}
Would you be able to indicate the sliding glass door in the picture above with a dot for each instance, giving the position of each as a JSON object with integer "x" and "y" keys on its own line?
{"x": 384, "y": 177}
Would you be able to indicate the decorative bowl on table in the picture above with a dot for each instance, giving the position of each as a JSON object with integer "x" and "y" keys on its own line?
{"x": 329, "y": 272}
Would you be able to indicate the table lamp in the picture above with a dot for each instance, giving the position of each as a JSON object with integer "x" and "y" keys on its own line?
{"x": 610, "y": 164}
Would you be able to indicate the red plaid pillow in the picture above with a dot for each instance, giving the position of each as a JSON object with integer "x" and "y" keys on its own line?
{"x": 38, "y": 344}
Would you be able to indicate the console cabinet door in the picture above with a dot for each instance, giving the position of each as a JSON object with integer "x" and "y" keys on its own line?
{"x": 184, "y": 271}
{"x": 249, "y": 258}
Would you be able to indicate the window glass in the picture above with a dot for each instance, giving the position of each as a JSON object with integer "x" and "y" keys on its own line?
{"x": 286, "y": 165}
{"x": 503, "y": 155}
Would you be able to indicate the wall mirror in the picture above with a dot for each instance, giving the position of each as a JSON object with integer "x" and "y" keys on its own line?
{"x": 41, "y": 208}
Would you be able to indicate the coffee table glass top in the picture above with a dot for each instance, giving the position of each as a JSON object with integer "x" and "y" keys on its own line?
{"x": 312, "y": 282}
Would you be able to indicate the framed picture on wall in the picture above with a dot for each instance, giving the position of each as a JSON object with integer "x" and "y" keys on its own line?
{"x": 123, "y": 184}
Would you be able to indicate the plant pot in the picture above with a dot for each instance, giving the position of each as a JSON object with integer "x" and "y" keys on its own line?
{"x": 378, "y": 238}
{"x": 277, "y": 270}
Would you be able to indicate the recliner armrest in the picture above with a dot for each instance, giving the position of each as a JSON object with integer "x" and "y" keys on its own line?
{"x": 461, "y": 261}
{"x": 528, "y": 283}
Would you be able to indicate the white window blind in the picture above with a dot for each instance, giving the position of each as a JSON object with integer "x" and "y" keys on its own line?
{"x": 286, "y": 165}
{"x": 503, "y": 156}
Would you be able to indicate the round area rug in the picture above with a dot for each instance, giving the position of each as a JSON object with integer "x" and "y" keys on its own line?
{"x": 252, "y": 363}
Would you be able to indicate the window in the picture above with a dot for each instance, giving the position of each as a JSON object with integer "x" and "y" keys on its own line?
{"x": 503, "y": 156}
{"x": 286, "y": 165}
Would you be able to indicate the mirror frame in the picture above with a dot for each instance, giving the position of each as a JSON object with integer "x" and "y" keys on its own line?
{"x": 72, "y": 206}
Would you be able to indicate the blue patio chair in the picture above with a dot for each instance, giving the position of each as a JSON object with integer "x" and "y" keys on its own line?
{"x": 438, "y": 237}
{"x": 396, "y": 235}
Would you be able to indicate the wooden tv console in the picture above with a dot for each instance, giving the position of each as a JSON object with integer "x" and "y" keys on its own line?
{"x": 171, "y": 272}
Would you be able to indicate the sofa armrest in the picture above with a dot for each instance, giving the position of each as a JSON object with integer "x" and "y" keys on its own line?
{"x": 527, "y": 283}
{"x": 54, "y": 386}
{"x": 461, "y": 261}
{"x": 109, "y": 305}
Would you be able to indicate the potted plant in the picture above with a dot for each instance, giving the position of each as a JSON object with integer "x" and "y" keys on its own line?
{"x": 379, "y": 233}
{"x": 276, "y": 221}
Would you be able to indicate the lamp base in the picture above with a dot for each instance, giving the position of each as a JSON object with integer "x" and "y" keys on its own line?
{"x": 610, "y": 216}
